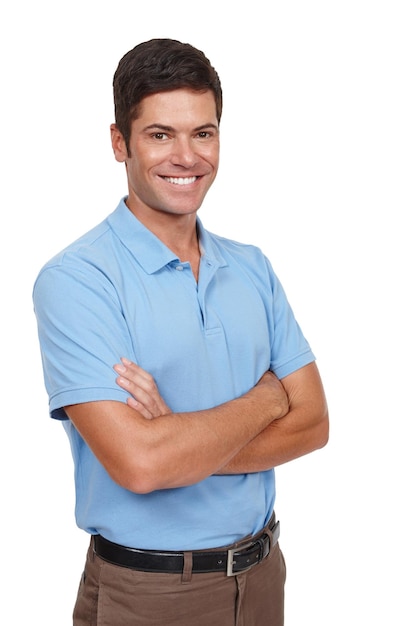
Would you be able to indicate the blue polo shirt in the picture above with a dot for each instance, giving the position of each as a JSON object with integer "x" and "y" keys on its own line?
{"x": 119, "y": 291}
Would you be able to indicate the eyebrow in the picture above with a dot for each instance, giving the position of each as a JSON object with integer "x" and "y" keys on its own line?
{"x": 157, "y": 126}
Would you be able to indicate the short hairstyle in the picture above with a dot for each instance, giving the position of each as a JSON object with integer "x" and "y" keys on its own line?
{"x": 160, "y": 65}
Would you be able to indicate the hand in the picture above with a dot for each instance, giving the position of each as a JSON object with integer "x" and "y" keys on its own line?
{"x": 280, "y": 397}
{"x": 144, "y": 394}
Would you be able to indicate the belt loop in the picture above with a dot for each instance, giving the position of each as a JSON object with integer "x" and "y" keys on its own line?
{"x": 271, "y": 540}
{"x": 92, "y": 550}
{"x": 187, "y": 569}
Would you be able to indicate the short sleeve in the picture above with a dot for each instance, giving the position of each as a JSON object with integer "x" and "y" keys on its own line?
{"x": 289, "y": 350}
{"x": 82, "y": 334}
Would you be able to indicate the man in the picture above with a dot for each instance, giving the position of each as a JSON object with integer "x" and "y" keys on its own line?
{"x": 217, "y": 385}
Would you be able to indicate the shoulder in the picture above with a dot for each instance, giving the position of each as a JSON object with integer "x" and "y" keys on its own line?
{"x": 89, "y": 243}
{"x": 232, "y": 247}
{"x": 249, "y": 258}
{"x": 77, "y": 272}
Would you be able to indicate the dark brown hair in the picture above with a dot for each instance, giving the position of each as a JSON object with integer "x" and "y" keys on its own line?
{"x": 160, "y": 65}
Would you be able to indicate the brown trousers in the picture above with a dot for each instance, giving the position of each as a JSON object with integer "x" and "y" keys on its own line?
{"x": 110, "y": 595}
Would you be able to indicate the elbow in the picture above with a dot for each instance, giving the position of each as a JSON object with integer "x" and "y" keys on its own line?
{"x": 153, "y": 475}
{"x": 145, "y": 480}
{"x": 137, "y": 477}
{"x": 140, "y": 485}
{"x": 322, "y": 431}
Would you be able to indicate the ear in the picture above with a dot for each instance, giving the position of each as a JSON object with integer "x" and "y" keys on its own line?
{"x": 118, "y": 144}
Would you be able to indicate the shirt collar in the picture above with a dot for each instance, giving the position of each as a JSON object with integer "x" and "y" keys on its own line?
{"x": 149, "y": 251}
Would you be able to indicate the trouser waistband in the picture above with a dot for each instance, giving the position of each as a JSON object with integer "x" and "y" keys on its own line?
{"x": 235, "y": 560}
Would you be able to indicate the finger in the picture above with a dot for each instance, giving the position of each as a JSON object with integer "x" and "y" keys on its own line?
{"x": 139, "y": 407}
{"x": 147, "y": 397}
{"x": 141, "y": 386}
{"x": 132, "y": 371}
{"x": 135, "y": 369}
{"x": 139, "y": 394}
{"x": 137, "y": 376}
{"x": 142, "y": 401}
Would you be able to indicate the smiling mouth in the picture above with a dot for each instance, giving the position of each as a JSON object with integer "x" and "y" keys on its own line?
{"x": 180, "y": 181}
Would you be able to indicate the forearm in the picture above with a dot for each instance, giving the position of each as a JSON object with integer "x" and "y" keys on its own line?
{"x": 175, "y": 449}
{"x": 304, "y": 428}
{"x": 188, "y": 447}
{"x": 280, "y": 442}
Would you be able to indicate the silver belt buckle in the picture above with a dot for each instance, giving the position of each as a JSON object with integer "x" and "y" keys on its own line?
{"x": 231, "y": 560}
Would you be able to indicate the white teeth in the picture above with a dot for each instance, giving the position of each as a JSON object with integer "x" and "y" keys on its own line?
{"x": 181, "y": 181}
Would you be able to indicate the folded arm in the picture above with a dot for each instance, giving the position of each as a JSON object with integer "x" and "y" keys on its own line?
{"x": 303, "y": 429}
{"x": 174, "y": 449}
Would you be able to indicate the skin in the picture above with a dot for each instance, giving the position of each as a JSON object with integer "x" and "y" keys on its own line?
{"x": 304, "y": 427}
{"x": 176, "y": 136}
{"x": 142, "y": 444}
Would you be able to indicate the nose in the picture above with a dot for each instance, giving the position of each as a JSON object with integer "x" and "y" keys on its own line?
{"x": 183, "y": 152}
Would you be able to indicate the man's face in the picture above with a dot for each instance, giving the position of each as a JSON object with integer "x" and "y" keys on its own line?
{"x": 174, "y": 153}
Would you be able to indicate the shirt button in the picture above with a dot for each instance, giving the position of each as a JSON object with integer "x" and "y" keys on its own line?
{"x": 179, "y": 268}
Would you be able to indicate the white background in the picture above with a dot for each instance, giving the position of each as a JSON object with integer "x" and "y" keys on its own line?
{"x": 318, "y": 167}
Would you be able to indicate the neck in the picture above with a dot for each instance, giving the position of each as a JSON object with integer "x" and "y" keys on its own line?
{"x": 186, "y": 248}
{"x": 177, "y": 232}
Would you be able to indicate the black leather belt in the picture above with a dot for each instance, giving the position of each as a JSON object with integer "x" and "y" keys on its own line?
{"x": 232, "y": 561}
